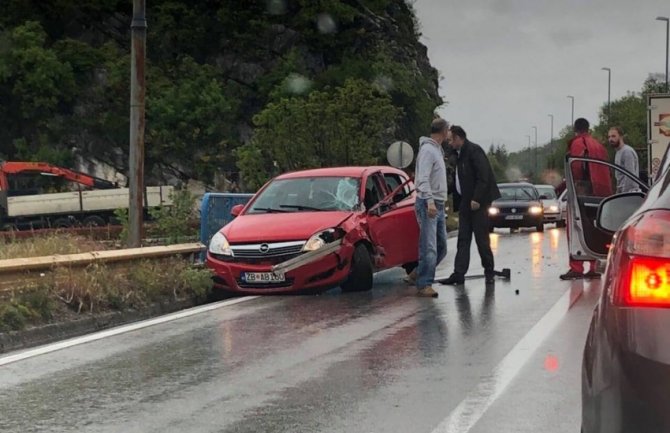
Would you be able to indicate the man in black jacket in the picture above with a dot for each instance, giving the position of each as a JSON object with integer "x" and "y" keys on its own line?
{"x": 475, "y": 190}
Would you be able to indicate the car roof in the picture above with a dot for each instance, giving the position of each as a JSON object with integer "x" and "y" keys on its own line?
{"x": 337, "y": 172}
{"x": 515, "y": 184}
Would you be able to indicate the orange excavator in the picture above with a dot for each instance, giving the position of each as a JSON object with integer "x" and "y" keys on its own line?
{"x": 43, "y": 168}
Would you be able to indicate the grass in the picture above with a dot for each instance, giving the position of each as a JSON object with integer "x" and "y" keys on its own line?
{"x": 70, "y": 292}
{"x": 47, "y": 245}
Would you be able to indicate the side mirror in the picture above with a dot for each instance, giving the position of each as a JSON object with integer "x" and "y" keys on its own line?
{"x": 614, "y": 211}
{"x": 236, "y": 210}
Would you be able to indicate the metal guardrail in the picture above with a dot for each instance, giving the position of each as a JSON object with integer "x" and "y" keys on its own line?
{"x": 215, "y": 213}
{"x": 17, "y": 272}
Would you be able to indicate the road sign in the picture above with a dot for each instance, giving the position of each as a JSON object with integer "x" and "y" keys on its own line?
{"x": 400, "y": 154}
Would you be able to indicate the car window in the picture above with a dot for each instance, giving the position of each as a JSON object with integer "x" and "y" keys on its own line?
{"x": 315, "y": 193}
{"x": 518, "y": 193}
{"x": 548, "y": 191}
{"x": 395, "y": 180}
{"x": 373, "y": 193}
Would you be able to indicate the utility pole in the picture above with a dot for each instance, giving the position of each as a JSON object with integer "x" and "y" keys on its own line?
{"x": 138, "y": 29}
{"x": 530, "y": 155}
{"x": 572, "y": 117}
{"x": 551, "y": 138}
{"x": 535, "y": 165}
{"x": 667, "y": 49}
{"x": 609, "y": 92}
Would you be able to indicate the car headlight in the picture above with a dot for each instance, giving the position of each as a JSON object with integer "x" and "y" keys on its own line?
{"x": 220, "y": 245}
{"x": 321, "y": 239}
{"x": 535, "y": 210}
{"x": 494, "y": 211}
{"x": 554, "y": 209}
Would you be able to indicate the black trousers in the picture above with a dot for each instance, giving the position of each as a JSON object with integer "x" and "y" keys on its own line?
{"x": 473, "y": 222}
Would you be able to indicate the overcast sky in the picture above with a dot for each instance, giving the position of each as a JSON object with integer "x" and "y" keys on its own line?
{"x": 507, "y": 64}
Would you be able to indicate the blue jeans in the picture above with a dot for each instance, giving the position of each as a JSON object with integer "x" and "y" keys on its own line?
{"x": 432, "y": 241}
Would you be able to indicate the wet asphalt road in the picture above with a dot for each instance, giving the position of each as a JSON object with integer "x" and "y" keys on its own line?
{"x": 475, "y": 359}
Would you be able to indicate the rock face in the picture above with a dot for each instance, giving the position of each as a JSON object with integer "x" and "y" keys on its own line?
{"x": 252, "y": 48}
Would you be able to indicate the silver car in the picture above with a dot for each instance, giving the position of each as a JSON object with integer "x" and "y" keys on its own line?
{"x": 551, "y": 205}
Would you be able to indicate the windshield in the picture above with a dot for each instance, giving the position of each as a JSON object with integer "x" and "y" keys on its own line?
{"x": 311, "y": 194}
{"x": 518, "y": 193}
{"x": 547, "y": 191}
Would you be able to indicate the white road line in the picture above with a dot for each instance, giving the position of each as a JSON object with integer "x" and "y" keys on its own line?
{"x": 30, "y": 353}
{"x": 477, "y": 402}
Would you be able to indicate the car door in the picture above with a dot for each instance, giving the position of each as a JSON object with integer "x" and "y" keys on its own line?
{"x": 392, "y": 226}
{"x": 586, "y": 240}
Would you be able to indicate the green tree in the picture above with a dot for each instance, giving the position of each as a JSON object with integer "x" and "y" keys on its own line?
{"x": 336, "y": 126}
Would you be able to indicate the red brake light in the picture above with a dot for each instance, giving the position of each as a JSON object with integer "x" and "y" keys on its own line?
{"x": 640, "y": 266}
{"x": 649, "y": 282}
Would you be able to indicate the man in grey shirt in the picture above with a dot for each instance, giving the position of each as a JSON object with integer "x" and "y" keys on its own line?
{"x": 431, "y": 187}
{"x": 625, "y": 157}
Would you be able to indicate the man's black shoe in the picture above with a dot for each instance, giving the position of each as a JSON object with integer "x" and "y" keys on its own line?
{"x": 454, "y": 280}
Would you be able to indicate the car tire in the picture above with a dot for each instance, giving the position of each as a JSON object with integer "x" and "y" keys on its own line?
{"x": 540, "y": 227}
{"x": 61, "y": 223}
{"x": 94, "y": 221}
{"x": 360, "y": 275}
{"x": 491, "y": 228}
{"x": 560, "y": 224}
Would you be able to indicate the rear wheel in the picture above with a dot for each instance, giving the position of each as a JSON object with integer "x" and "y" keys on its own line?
{"x": 360, "y": 276}
{"x": 94, "y": 221}
{"x": 62, "y": 223}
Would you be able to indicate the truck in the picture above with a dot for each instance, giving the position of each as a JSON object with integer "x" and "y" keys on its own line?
{"x": 41, "y": 195}
{"x": 658, "y": 131}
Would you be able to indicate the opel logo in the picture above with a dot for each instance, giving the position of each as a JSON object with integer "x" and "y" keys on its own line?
{"x": 264, "y": 248}
{"x": 513, "y": 210}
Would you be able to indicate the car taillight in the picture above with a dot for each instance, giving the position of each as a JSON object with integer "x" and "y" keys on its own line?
{"x": 640, "y": 266}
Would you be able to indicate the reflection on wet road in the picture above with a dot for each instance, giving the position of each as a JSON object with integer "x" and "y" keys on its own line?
{"x": 383, "y": 361}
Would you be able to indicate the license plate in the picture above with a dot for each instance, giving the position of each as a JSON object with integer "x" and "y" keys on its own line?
{"x": 514, "y": 217}
{"x": 263, "y": 277}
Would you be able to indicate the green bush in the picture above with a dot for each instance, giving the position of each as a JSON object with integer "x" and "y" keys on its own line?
{"x": 11, "y": 318}
{"x": 197, "y": 281}
{"x": 175, "y": 222}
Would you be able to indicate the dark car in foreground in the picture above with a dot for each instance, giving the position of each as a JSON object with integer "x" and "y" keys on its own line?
{"x": 519, "y": 205}
{"x": 626, "y": 362}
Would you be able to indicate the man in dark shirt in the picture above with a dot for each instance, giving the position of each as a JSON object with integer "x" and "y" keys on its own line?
{"x": 476, "y": 189}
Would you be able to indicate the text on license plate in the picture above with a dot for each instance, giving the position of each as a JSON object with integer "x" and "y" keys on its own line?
{"x": 263, "y": 277}
{"x": 514, "y": 217}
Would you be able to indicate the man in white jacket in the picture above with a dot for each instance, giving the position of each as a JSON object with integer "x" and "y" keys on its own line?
{"x": 431, "y": 187}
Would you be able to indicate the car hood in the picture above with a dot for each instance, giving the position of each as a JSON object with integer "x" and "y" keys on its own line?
{"x": 279, "y": 227}
{"x": 516, "y": 204}
{"x": 551, "y": 202}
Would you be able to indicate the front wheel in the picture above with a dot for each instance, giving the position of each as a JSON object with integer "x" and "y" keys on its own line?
{"x": 560, "y": 224}
{"x": 360, "y": 276}
{"x": 540, "y": 227}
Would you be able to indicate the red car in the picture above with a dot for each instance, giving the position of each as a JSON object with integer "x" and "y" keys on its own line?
{"x": 317, "y": 229}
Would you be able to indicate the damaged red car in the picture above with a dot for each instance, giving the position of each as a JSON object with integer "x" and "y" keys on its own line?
{"x": 318, "y": 229}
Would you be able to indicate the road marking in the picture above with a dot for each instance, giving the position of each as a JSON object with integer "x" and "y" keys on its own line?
{"x": 477, "y": 402}
{"x": 30, "y": 353}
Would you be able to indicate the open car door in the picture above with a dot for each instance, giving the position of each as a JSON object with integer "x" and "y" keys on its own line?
{"x": 589, "y": 182}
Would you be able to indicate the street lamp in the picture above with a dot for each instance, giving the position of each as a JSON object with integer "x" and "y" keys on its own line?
{"x": 535, "y": 165}
{"x": 530, "y": 155}
{"x": 667, "y": 48}
{"x": 609, "y": 88}
{"x": 572, "y": 117}
{"x": 551, "y": 137}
